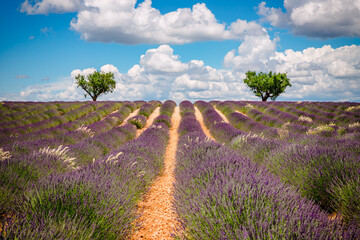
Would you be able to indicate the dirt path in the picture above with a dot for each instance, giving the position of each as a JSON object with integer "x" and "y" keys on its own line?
{"x": 158, "y": 218}
{"x": 150, "y": 121}
{"x": 200, "y": 119}
{"x": 133, "y": 114}
{"x": 242, "y": 113}
{"x": 107, "y": 115}
{"x": 221, "y": 115}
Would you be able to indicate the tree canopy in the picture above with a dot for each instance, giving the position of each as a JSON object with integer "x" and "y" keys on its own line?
{"x": 267, "y": 85}
{"x": 96, "y": 83}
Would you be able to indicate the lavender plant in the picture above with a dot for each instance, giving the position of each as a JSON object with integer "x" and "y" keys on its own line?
{"x": 323, "y": 174}
{"x": 221, "y": 195}
{"x": 98, "y": 200}
{"x": 147, "y": 108}
{"x": 139, "y": 121}
{"x": 221, "y": 131}
{"x": 167, "y": 108}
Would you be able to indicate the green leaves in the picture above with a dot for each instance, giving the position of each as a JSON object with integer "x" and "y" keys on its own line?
{"x": 267, "y": 85}
{"x": 96, "y": 83}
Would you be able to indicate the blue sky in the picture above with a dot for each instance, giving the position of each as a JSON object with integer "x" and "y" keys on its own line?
{"x": 179, "y": 49}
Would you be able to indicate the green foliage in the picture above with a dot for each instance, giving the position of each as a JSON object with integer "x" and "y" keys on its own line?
{"x": 267, "y": 85}
{"x": 96, "y": 83}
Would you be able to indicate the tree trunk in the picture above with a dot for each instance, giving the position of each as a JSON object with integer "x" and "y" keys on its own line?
{"x": 94, "y": 98}
{"x": 264, "y": 98}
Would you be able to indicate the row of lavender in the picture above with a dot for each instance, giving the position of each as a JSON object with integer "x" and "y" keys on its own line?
{"x": 39, "y": 113}
{"x": 257, "y": 149}
{"x": 325, "y": 170}
{"x": 55, "y": 143}
{"x": 81, "y": 123}
{"x": 303, "y": 117}
{"x": 97, "y": 198}
{"x": 220, "y": 194}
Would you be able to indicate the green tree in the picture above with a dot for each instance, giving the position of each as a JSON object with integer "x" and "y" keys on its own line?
{"x": 267, "y": 85}
{"x": 96, "y": 83}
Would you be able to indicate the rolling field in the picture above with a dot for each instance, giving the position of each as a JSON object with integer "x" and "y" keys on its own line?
{"x": 153, "y": 170}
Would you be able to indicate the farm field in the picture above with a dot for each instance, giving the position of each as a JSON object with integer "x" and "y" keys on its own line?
{"x": 161, "y": 170}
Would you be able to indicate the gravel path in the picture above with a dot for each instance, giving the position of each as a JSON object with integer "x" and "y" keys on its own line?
{"x": 158, "y": 218}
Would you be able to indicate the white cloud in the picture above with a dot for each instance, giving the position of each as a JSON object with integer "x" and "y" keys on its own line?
{"x": 316, "y": 18}
{"x": 168, "y": 77}
{"x": 112, "y": 69}
{"x": 127, "y": 24}
{"x": 50, "y": 6}
{"x": 184, "y": 82}
{"x": 316, "y": 73}
{"x": 159, "y": 75}
{"x": 123, "y": 22}
{"x": 84, "y": 72}
{"x": 162, "y": 60}
{"x": 253, "y": 54}
{"x": 321, "y": 74}
{"x": 61, "y": 90}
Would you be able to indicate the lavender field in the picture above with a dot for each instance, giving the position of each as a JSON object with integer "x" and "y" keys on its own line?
{"x": 244, "y": 169}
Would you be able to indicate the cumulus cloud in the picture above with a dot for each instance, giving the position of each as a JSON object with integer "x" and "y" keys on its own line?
{"x": 61, "y": 90}
{"x": 148, "y": 80}
{"x": 184, "y": 82}
{"x": 316, "y": 18}
{"x": 329, "y": 73}
{"x": 162, "y": 60}
{"x": 253, "y": 54}
{"x": 50, "y": 6}
{"x": 318, "y": 74}
{"x": 162, "y": 72}
{"x": 123, "y": 21}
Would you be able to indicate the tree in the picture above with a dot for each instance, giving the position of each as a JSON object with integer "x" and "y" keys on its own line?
{"x": 267, "y": 85}
{"x": 96, "y": 83}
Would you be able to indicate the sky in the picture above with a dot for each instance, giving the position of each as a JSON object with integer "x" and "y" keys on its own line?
{"x": 189, "y": 49}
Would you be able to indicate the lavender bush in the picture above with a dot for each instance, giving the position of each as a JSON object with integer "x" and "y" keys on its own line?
{"x": 221, "y": 195}
{"x": 147, "y": 108}
{"x": 96, "y": 201}
{"x": 219, "y": 129}
{"x": 167, "y": 108}
{"x": 324, "y": 174}
{"x": 139, "y": 121}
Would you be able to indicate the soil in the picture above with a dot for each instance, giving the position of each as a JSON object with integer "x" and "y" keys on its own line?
{"x": 242, "y": 113}
{"x": 150, "y": 121}
{"x": 106, "y": 116}
{"x": 133, "y": 114}
{"x": 222, "y": 115}
{"x": 199, "y": 117}
{"x": 158, "y": 219}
